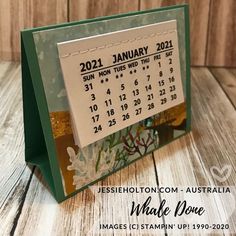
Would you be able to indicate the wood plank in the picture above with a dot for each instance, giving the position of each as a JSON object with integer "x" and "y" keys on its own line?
{"x": 227, "y": 79}
{"x": 14, "y": 173}
{"x": 16, "y": 15}
{"x": 27, "y": 205}
{"x": 149, "y": 4}
{"x": 83, "y": 9}
{"x": 11, "y": 127}
{"x": 78, "y": 214}
{"x": 50, "y": 12}
{"x": 199, "y": 11}
{"x": 222, "y": 34}
{"x": 11, "y": 21}
{"x": 11, "y": 206}
{"x": 188, "y": 161}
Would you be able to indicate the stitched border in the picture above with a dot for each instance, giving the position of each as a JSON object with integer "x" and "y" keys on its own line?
{"x": 118, "y": 43}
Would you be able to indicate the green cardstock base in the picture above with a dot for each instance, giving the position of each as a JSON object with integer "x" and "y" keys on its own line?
{"x": 40, "y": 147}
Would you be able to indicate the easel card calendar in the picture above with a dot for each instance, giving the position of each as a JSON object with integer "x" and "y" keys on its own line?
{"x": 102, "y": 93}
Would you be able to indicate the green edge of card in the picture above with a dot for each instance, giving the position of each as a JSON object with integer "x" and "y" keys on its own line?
{"x": 41, "y": 148}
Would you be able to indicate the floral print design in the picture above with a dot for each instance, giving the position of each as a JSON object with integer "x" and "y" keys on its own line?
{"x": 90, "y": 164}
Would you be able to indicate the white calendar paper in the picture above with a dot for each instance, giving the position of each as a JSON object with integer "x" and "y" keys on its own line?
{"x": 117, "y": 79}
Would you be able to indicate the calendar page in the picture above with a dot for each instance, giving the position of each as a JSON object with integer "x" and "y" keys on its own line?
{"x": 117, "y": 79}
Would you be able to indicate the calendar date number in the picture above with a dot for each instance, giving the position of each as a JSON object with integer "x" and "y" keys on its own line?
{"x": 97, "y": 129}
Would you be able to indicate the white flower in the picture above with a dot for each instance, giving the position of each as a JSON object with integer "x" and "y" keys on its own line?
{"x": 86, "y": 165}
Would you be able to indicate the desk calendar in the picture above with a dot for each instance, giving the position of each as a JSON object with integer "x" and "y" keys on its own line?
{"x": 133, "y": 76}
{"x": 100, "y": 94}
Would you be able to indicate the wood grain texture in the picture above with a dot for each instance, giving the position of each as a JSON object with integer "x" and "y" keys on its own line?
{"x": 26, "y": 205}
{"x": 16, "y": 15}
{"x": 83, "y": 9}
{"x": 11, "y": 131}
{"x": 212, "y": 25}
{"x": 149, "y": 4}
{"x": 199, "y": 12}
{"x": 14, "y": 175}
{"x": 227, "y": 79}
{"x": 78, "y": 215}
{"x": 211, "y": 144}
{"x": 11, "y": 21}
{"x": 222, "y": 34}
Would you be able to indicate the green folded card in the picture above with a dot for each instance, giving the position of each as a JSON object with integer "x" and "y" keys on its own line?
{"x": 101, "y": 93}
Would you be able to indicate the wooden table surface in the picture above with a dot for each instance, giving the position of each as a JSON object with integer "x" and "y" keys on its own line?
{"x": 28, "y": 208}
